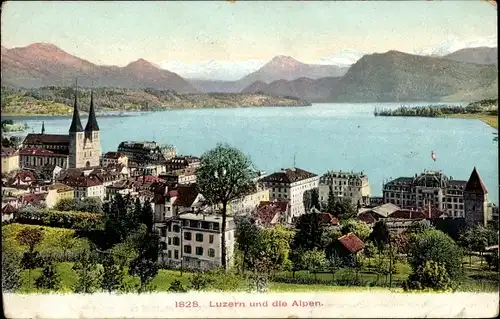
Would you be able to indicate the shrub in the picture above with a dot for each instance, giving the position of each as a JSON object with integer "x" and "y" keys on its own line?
{"x": 200, "y": 281}
{"x": 432, "y": 275}
{"x": 62, "y": 219}
{"x": 176, "y": 286}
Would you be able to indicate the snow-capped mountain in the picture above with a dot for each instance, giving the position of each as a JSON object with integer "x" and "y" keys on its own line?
{"x": 455, "y": 44}
{"x": 213, "y": 69}
{"x": 342, "y": 58}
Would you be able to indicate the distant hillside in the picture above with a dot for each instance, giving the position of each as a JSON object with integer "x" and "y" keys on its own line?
{"x": 42, "y": 64}
{"x": 481, "y": 55}
{"x": 395, "y": 76}
{"x": 279, "y": 68}
{"x": 303, "y": 88}
{"x": 59, "y": 100}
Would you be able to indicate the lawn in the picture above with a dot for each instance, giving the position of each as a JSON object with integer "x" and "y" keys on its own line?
{"x": 491, "y": 120}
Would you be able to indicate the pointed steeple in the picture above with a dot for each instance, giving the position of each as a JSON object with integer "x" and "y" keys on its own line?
{"x": 475, "y": 184}
{"x": 43, "y": 127}
{"x": 92, "y": 121}
{"x": 76, "y": 125}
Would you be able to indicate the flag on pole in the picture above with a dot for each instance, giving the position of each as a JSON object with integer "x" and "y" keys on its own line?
{"x": 433, "y": 156}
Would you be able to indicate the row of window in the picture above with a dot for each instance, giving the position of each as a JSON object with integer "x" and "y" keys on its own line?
{"x": 194, "y": 224}
{"x": 187, "y": 236}
{"x": 35, "y": 160}
{"x": 188, "y": 250}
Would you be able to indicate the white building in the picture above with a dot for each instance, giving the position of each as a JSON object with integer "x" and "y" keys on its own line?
{"x": 193, "y": 241}
{"x": 345, "y": 185}
{"x": 289, "y": 185}
{"x": 247, "y": 204}
{"x": 86, "y": 186}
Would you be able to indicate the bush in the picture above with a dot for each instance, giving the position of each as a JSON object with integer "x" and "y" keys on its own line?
{"x": 432, "y": 275}
{"x": 62, "y": 219}
{"x": 200, "y": 281}
{"x": 176, "y": 286}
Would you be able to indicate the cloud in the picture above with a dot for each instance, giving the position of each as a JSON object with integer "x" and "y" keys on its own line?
{"x": 455, "y": 44}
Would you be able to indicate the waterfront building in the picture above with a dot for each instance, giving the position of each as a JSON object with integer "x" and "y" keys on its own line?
{"x": 430, "y": 189}
{"x": 80, "y": 148}
{"x": 10, "y": 160}
{"x": 289, "y": 185}
{"x": 193, "y": 241}
{"x": 346, "y": 185}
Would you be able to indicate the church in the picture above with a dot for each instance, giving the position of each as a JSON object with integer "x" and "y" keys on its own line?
{"x": 79, "y": 149}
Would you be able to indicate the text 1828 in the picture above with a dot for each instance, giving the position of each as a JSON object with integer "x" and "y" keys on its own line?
{"x": 186, "y": 304}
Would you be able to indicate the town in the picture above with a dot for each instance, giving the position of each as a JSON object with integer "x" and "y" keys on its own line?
{"x": 331, "y": 219}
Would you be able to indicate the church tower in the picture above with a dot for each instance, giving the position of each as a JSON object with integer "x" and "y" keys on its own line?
{"x": 475, "y": 200}
{"x": 92, "y": 137}
{"x": 76, "y": 136}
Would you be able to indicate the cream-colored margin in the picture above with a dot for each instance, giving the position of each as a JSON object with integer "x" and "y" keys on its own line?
{"x": 239, "y": 305}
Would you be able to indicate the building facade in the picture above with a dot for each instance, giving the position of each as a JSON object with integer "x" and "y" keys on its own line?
{"x": 345, "y": 185}
{"x": 429, "y": 190}
{"x": 193, "y": 241}
{"x": 143, "y": 153}
{"x": 289, "y": 185}
{"x": 476, "y": 200}
{"x": 57, "y": 192}
{"x": 80, "y": 148}
{"x": 10, "y": 160}
{"x": 114, "y": 158}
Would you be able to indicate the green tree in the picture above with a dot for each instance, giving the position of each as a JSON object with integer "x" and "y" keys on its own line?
{"x": 315, "y": 261}
{"x": 400, "y": 242}
{"x": 224, "y": 174}
{"x": 146, "y": 216}
{"x": 359, "y": 228}
{"x": 67, "y": 242}
{"x": 146, "y": 270}
{"x": 49, "y": 279}
{"x": 434, "y": 245}
{"x": 308, "y": 232}
{"x": 311, "y": 199}
{"x": 380, "y": 234}
{"x": 30, "y": 236}
{"x": 246, "y": 235}
{"x": 418, "y": 228}
{"x": 344, "y": 209}
{"x": 200, "y": 281}
{"x": 112, "y": 275}
{"x": 271, "y": 246}
{"x": 334, "y": 263}
{"x": 329, "y": 236}
{"x": 89, "y": 204}
{"x": 431, "y": 275}
{"x": 65, "y": 205}
{"x": 11, "y": 271}
{"x": 330, "y": 207}
{"x": 87, "y": 274}
{"x": 176, "y": 286}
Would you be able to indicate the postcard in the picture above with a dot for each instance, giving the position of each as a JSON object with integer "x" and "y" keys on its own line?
{"x": 249, "y": 159}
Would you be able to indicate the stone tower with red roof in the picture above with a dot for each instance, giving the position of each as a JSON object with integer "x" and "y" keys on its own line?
{"x": 475, "y": 200}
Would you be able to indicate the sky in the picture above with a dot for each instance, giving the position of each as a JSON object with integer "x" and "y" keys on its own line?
{"x": 116, "y": 33}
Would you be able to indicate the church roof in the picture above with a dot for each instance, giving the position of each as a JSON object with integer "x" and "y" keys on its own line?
{"x": 76, "y": 124}
{"x": 92, "y": 121}
{"x": 475, "y": 184}
{"x": 49, "y": 139}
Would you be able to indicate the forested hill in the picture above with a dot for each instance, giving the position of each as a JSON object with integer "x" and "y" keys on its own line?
{"x": 59, "y": 100}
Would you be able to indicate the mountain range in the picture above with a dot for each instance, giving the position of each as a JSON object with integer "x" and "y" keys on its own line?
{"x": 383, "y": 77}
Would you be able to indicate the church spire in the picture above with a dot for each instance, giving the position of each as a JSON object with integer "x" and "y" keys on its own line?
{"x": 76, "y": 125}
{"x": 43, "y": 127}
{"x": 92, "y": 121}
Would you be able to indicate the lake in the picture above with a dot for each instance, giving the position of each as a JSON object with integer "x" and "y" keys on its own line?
{"x": 321, "y": 137}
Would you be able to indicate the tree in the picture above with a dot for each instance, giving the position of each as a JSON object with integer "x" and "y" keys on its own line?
{"x": 176, "y": 286}
{"x": 89, "y": 204}
{"x": 380, "y": 234}
{"x": 146, "y": 216}
{"x": 431, "y": 275}
{"x": 117, "y": 215}
{"x": 359, "y": 228}
{"x": 30, "y": 236}
{"x": 65, "y": 204}
{"x": 272, "y": 247}
{"x": 11, "y": 271}
{"x": 334, "y": 263}
{"x": 330, "y": 206}
{"x": 66, "y": 242}
{"x": 329, "y": 236}
{"x": 308, "y": 232}
{"x": 315, "y": 198}
{"x": 112, "y": 275}
{"x": 418, "y": 228}
{"x": 311, "y": 199}
{"x": 434, "y": 245}
{"x": 224, "y": 174}
{"x": 86, "y": 270}
{"x": 344, "y": 210}
{"x": 145, "y": 269}
{"x": 315, "y": 261}
{"x": 246, "y": 235}
{"x": 49, "y": 279}
{"x": 400, "y": 242}
{"x": 200, "y": 281}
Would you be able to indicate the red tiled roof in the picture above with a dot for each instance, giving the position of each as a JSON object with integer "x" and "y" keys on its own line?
{"x": 266, "y": 212}
{"x": 366, "y": 217}
{"x": 113, "y": 155}
{"x": 186, "y": 195}
{"x": 475, "y": 184}
{"x": 328, "y": 219}
{"x": 289, "y": 176}
{"x": 25, "y": 176}
{"x": 8, "y": 151}
{"x": 352, "y": 243}
{"x": 82, "y": 181}
{"x": 34, "y": 197}
{"x": 39, "y": 152}
{"x": 281, "y": 205}
{"x": 8, "y": 209}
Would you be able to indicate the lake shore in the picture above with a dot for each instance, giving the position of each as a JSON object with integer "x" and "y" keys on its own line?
{"x": 491, "y": 120}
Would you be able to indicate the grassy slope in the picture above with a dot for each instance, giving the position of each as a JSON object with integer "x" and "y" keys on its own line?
{"x": 491, "y": 120}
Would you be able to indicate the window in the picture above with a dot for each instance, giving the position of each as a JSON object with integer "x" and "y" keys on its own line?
{"x": 177, "y": 241}
{"x": 169, "y": 254}
{"x": 170, "y": 241}
{"x": 176, "y": 228}
{"x": 199, "y": 251}
{"x": 216, "y": 226}
{"x": 176, "y": 254}
{"x": 187, "y": 236}
{"x": 199, "y": 237}
{"x": 211, "y": 252}
{"x": 211, "y": 239}
{"x": 187, "y": 249}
